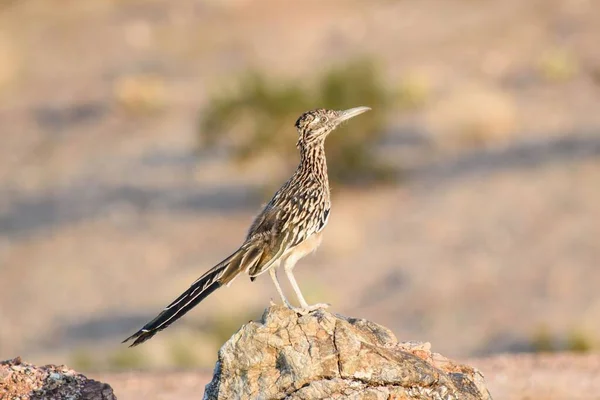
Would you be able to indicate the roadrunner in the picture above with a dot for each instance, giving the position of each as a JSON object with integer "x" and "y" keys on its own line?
{"x": 288, "y": 228}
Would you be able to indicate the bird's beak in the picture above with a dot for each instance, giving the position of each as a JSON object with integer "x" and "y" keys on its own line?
{"x": 350, "y": 113}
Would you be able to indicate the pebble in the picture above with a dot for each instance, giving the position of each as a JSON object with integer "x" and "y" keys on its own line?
{"x": 55, "y": 376}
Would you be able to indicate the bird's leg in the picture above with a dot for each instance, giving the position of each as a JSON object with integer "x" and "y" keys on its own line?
{"x": 273, "y": 273}
{"x": 288, "y": 266}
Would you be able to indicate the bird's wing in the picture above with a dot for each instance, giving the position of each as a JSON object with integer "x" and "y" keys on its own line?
{"x": 269, "y": 238}
{"x": 280, "y": 227}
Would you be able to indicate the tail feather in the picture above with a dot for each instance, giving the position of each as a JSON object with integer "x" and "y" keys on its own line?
{"x": 198, "y": 291}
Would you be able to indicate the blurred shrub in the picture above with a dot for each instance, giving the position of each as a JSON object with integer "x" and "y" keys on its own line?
{"x": 542, "y": 341}
{"x": 82, "y": 360}
{"x": 574, "y": 340}
{"x": 258, "y": 117}
{"x": 558, "y": 65}
{"x": 579, "y": 342}
{"x": 141, "y": 93}
{"x": 472, "y": 116}
{"x": 182, "y": 353}
{"x": 223, "y": 326}
{"x": 126, "y": 359}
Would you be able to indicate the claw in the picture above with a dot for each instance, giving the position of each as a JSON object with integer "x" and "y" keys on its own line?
{"x": 309, "y": 309}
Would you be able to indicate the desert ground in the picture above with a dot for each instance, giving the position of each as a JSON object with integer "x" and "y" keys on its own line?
{"x": 487, "y": 245}
{"x": 508, "y": 377}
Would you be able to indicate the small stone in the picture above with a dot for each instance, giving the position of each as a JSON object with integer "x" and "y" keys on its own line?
{"x": 55, "y": 376}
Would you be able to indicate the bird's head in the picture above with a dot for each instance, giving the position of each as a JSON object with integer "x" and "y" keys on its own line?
{"x": 314, "y": 126}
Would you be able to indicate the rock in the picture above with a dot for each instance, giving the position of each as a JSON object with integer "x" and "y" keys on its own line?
{"x": 325, "y": 356}
{"x": 20, "y": 380}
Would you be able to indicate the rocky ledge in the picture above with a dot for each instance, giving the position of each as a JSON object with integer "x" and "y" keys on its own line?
{"x": 20, "y": 380}
{"x": 327, "y": 356}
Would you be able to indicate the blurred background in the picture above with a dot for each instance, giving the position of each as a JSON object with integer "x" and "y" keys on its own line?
{"x": 139, "y": 138}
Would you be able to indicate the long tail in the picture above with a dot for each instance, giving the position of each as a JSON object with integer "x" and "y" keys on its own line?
{"x": 213, "y": 279}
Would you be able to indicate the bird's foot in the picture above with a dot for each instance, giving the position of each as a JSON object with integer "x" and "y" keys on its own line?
{"x": 306, "y": 309}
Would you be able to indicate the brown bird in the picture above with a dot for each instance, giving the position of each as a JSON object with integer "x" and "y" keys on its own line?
{"x": 288, "y": 228}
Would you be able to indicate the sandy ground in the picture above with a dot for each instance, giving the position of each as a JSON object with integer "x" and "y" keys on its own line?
{"x": 106, "y": 215}
{"x": 543, "y": 377}
{"x": 508, "y": 377}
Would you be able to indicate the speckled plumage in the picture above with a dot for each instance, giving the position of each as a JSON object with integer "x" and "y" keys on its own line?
{"x": 288, "y": 228}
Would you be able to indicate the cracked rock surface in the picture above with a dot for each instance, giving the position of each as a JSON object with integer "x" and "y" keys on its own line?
{"x": 24, "y": 381}
{"x": 326, "y": 356}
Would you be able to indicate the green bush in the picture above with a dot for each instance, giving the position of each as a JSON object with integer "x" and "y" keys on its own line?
{"x": 258, "y": 116}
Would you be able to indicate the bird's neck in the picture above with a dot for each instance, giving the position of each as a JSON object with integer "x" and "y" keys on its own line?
{"x": 313, "y": 162}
